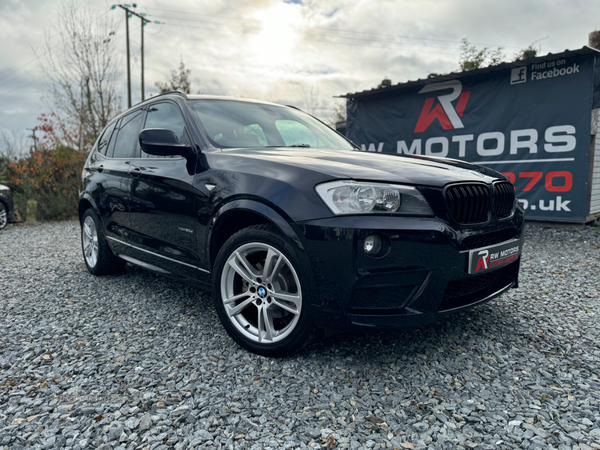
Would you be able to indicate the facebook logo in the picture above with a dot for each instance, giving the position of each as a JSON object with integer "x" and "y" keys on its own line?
{"x": 518, "y": 75}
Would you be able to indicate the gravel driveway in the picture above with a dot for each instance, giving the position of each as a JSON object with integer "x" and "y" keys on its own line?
{"x": 139, "y": 361}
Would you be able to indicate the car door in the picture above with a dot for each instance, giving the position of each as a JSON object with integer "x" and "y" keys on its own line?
{"x": 162, "y": 205}
{"x": 120, "y": 152}
{"x": 107, "y": 185}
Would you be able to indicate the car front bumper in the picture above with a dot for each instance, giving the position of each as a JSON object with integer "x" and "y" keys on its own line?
{"x": 424, "y": 274}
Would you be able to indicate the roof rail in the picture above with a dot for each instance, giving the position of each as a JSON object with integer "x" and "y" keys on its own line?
{"x": 164, "y": 93}
{"x": 172, "y": 92}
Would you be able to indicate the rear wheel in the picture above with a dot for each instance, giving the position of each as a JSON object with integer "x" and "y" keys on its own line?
{"x": 258, "y": 289}
{"x": 3, "y": 216}
{"x": 98, "y": 257}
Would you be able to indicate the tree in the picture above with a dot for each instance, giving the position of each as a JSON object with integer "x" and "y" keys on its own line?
{"x": 471, "y": 58}
{"x": 11, "y": 147}
{"x": 594, "y": 39}
{"x": 179, "y": 81}
{"x": 49, "y": 173}
{"x": 526, "y": 53}
{"x": 339, "y": 113}
{"x": 311, "y": 99}
{"x": 80, "y": 63}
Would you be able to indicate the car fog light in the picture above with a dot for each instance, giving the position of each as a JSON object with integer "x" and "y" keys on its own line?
{"x": 372, "y": 245}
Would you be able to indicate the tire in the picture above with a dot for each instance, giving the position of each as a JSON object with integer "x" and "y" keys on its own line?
{"x": 3, "y": 216}
{"x": 98, "y": 257}
{"x": 258, "y": 285}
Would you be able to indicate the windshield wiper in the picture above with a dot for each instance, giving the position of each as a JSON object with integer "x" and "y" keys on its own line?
{"x": 295, "y": 145}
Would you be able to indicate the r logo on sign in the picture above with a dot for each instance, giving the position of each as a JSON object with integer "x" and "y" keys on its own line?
{"x": 518, "y": 75}
{"x": 447, "y": 115}
{"x": 484, "y": 259}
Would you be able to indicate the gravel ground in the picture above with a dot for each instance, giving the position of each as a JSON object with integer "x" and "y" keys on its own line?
{"x": 139, "y": 361}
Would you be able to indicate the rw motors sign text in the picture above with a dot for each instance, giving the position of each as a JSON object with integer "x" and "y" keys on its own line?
{"x": 531, "y": 123}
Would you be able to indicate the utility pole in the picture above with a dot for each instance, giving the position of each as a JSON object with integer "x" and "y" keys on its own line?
{"x": 142, "y": 52}
{"x": 128, "y": 64}
{"x": 144, "y": 22}
{"x": 128, "y": 13}
{"x": 33, "y": 137}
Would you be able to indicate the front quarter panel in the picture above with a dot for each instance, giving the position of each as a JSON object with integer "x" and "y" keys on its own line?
{"x": 287, "y": 188}
{"x": 223, "y": 184}
{"x": 255, "y": 207}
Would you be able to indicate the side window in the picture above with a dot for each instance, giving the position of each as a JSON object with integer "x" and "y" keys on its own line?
{"x": 113, "y": 139}
{"x": 103, "y": 141}
{"x": 166, "y": 116}
{"x": 295, "y": 133}
{"x": 128, "y": 137}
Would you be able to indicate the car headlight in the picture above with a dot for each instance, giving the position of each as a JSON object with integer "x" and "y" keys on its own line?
{"x": 350, "y": 197}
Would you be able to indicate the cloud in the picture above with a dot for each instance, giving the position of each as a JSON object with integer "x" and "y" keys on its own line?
{"x": 271, "y": 49}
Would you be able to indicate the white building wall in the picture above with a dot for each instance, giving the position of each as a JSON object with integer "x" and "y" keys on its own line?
{"x": 595, "y": 175}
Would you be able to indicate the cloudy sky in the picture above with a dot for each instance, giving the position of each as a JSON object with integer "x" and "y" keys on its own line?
{"x": 300, "y": 52}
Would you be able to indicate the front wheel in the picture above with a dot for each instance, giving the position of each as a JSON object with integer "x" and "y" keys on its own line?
{"x": 259, "y": 292}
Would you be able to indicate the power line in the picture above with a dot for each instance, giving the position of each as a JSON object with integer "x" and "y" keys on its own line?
{"x": 22, "y": 86}
{"x": 345, "y": 43}
{"x": 373, "y": 46}
{"x": 189, "y": 13}
{"x": 406, "y": 37}
{"x": 319, "y": 35}
{"x": 144, "y": 21}
{"x": 245, "y": 23}
{"x": 354, "y": 32}
{"x": 2, "y": 94}
{"x": 53, "y": 47}
{"x": 379, "y": 42}
{"x": 62, "y": 50}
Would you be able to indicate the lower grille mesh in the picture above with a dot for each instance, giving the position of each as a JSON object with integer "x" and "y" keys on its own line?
{"x": 470, "y": 290}
{"x": 380, "y": 300}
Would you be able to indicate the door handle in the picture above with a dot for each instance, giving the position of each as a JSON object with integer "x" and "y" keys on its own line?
{"x": 100, "y": 168}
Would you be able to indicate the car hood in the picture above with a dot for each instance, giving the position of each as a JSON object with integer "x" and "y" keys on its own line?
{"x": 358, "y": 165}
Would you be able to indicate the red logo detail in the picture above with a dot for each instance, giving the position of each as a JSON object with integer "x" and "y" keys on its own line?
{"x": 484, "y": 260}
{"x": 428, "y": 115}
{"x": 483, "y": 263}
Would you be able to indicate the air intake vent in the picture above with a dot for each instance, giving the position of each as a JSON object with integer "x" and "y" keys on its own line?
{"x": 504, "y": 200}
{"x": 469, "y": 203}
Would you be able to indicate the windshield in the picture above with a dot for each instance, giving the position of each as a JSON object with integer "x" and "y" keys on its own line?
{"x": 233, "y": 124}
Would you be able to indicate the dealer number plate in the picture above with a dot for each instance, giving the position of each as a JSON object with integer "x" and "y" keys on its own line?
{"x": 489, "y": 258}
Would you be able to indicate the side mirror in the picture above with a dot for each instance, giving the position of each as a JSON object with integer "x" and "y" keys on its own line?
{"x": 157, "y": 141}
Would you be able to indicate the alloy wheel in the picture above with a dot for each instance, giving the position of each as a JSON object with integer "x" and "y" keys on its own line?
{"x": 261, "y": 293}
{"x": 3, "y": 216}
{"x": 90, "y": 241}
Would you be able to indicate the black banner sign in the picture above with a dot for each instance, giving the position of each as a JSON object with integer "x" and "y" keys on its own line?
{"x": 531, "y": 123}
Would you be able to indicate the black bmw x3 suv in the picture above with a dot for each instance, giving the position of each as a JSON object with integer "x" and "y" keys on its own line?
{"x": 290, "y": 224}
